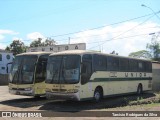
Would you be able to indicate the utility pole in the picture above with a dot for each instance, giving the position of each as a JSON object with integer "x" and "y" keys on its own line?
{"x": 155, "y": 13}
{"x": 69, "y": 40}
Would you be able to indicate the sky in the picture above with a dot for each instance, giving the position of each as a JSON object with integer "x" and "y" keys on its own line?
{"x": 123, "y": 26}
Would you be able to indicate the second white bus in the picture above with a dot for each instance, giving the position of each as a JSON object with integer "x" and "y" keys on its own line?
{"x": 82, "y": 75}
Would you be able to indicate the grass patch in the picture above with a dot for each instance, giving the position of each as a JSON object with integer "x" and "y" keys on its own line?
{"x": 141, "y": 101}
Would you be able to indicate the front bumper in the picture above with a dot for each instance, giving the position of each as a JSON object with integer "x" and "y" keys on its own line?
{"x": 21, "y": 92}
{"x": 64, "y": 96}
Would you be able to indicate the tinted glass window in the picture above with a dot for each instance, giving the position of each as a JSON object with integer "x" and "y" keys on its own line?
{"x": 27, "y": 70}
{"x": 41, "y": 68}
{"x": 53, "y": 69}
{"x": 22, "y": 70}
{"x": 86, "y": 68}
{"x": 113, "y": 63}
{"x": 123, "y": 64}
{"x": 141, "y": 66}
{"x": 63, "y": 69}
{"x": 100, "y": 63}
{"x": 148, "y": 66}
{"x": 132, "y": 65}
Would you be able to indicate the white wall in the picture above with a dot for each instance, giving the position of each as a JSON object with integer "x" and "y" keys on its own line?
{"x": 156, "y": 76}
{"x": 6, "y": 58}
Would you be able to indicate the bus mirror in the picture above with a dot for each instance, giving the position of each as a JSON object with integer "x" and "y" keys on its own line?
{"x": 7, "y": 68}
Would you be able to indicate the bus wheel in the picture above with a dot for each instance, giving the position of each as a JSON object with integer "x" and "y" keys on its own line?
{"x": 37, "y": 96}
{"x": 139, "y": 89}
{"x": 97, "y": 95}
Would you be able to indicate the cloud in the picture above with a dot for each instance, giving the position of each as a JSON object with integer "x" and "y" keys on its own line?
{"x": 3, "y": 33}
{"x": 1, "y": 37}
{"x": 124, "y": 38}
{"x": 2, "y": 46}
{"x": 8, "y": 32}
{"x": 35, "y": 35}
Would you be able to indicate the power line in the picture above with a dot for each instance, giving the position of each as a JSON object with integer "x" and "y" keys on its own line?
{"x": 105, "y": 33}
{"x": 120, "y": 38}
{"x": 94, "y": 28}
{"x": 124, "y": 32}
{"x": 105, "y": 25}
{"x": 101, "y": 34}
{"x": 89, "y": 35}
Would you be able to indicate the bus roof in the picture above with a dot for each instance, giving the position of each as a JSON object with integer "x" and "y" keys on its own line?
{"x": 80, "y": 52}
{"x": 34, "y": 53}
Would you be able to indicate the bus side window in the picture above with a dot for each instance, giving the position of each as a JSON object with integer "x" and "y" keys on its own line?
{"x": 133, "y": 65}
{"x": 99, "y": 63}
{"x": 123, "y": 64}
{"x": 113, "y": 63}
{"x": 86, "y": 68}
{"x": 148, "y": 67}
{"x": 141, "y": 66}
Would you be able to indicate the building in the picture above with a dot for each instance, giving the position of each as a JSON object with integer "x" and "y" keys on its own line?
{"x": 6, "y": 59}
{"x": 58, "y": 48}
{"x": 155, "y": 76}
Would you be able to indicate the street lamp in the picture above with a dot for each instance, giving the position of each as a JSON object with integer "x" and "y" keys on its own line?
{"x": 152, "y": 10}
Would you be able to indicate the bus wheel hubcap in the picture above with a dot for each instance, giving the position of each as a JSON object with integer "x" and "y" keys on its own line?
{"x": 97, "y": 96}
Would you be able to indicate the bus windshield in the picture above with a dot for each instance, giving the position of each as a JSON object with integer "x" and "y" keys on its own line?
{"x": 23, "y": 68}
{"x": 63, "y": 69}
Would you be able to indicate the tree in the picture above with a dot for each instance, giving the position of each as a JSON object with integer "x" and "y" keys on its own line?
{"x": 141, "y": 54}
{"x": 16, "y": 47}
{"x": 154, "y": 48}
{"x": 152, "y": 52}
{"x": 47, "y": 42}
{"x": 36, "y": 43}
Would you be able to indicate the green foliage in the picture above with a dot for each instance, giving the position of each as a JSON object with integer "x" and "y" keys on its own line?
{"x": 141, "y": 54}
{"x": 154, "y": 48}
{"x": 16, "y": 47}
{"x": 36, "y": 43}
{"x": 47, "y": 42}
{"x": 152, "y": 52}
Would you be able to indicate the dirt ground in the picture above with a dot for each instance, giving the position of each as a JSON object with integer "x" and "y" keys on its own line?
{"x": 73, "y": 109}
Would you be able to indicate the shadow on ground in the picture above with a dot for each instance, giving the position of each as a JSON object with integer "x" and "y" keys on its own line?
{"x": 57, "y": 105}
{"x": 111, "y": 102}
{"x": 24, "y": 102}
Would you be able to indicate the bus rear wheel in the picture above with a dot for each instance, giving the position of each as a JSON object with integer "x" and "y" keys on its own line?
{"x": 37, "y": 96}
{"x": 98, "y": 95}
{"x": 139, "y": 89}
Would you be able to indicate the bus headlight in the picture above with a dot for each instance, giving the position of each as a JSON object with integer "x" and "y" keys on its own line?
{"x": 27, "y": 89}
{"x": 48, "y": 90}
{"x": 72, "y": 91}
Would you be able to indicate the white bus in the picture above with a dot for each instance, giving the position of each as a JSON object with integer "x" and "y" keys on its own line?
{"x": 81, "y": 75}
{"x": 28, "y": 74}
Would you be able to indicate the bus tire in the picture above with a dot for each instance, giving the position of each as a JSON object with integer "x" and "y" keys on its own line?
{"x": 37, "y": 96}
{"x": 98, "y": 95}
{"x": 139, "y": 89}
